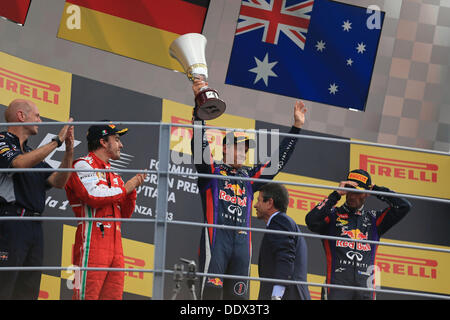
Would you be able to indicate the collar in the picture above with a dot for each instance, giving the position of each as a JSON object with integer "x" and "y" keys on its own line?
{"x": 270, "y": 219}
{"x": 352, "y": 210}
{"x": 16, "y": 139}
{"x": 99, "y": 161}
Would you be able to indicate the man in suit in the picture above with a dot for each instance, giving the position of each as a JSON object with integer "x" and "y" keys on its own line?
{"x": 281, "y": 256}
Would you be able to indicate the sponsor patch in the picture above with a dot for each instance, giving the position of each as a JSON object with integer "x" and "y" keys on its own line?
{"x": 357, "y": 177}
{"x": 3, "y": 256}
{"x": 240, "y": 288}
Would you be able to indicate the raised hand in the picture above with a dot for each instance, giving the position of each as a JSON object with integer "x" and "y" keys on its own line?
{"x": 299, "y": 113}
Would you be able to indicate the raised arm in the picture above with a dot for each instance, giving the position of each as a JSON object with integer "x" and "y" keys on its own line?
{"x": 32, "y": 158}
{"x": 201, "y": 153}
{"x": 270, "y": 169}
{"x": 59, "y": 179}
{"x": 397, "y": 208}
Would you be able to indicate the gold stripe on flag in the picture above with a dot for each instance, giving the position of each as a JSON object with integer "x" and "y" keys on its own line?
{"x": 120, "y": 36}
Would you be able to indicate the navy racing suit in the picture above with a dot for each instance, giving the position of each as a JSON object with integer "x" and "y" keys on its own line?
{"x": 348, "y": 262}
{"x": 229, "y": 202}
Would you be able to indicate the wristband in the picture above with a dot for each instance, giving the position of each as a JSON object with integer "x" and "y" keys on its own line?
{"x": 58, "y": 141}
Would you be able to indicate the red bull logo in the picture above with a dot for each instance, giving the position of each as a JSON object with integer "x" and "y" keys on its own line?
{"x": 233, "y": 199}
{"x": 236, "y": 189}
{"x": 215, "y": 281}
{"x": 400, "y": 169}
{"x": 355, "y": 234}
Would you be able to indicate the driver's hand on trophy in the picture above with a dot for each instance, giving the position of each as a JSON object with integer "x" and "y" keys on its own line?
{"x": 197, "y": 85}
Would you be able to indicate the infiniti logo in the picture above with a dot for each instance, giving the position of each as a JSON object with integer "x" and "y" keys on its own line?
{"x": 235, "y": 210}
{"x": 352, "y": 254}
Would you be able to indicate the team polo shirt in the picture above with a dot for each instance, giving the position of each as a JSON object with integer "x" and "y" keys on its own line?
{"x": 24, "y": 189}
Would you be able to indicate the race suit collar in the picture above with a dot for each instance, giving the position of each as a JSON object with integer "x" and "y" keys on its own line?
{"x": 352, "y": 210}
{"x": 99, "y": 161}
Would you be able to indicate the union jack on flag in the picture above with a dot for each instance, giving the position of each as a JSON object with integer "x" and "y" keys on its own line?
{"x": 275, "y": 17}
{"x": 317, "y": 50}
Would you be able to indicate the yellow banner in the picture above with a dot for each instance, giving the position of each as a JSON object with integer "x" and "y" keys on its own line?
{"x": 48, "y": 88}
{"x": 50, "y": 288}
{"x": 180, "y": 138}
{"x": 413, "y": 269}
{"x": 399, "y": 268}
{"x": 404, "y": 171}
{"x": 137, "y": 255}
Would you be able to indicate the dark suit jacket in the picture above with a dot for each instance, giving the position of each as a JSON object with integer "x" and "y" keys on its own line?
{"x": 283, "y": 257}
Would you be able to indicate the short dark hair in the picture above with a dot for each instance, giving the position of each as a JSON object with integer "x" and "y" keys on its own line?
{"x": 94, "y": 145}
{"x": 278, "y": 193}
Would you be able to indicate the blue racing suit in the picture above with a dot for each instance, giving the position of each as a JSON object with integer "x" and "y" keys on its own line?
{"x": 229, "y": 202}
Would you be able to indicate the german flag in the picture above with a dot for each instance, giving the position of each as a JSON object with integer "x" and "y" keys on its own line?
{"x": 138, "y": 29}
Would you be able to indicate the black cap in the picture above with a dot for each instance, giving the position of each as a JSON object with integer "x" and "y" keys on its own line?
{"x": 96, "y": 132}
{"x": 361, "y": 177}
{"x": 232, "y": 138}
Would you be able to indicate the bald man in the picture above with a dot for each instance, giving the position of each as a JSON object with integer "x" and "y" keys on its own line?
{"x": 23, "y": 194}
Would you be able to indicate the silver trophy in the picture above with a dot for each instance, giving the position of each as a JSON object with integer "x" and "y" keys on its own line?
{"x": 189, "y": 50}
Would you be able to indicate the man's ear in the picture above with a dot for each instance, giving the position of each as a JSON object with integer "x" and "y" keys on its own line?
{"x": 104, "y": 141}
{"x": 270, "y": 203}
{"x": 21, "y": 116}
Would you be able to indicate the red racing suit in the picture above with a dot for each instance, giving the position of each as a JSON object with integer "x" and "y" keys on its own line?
{"x": 98, "y": 243}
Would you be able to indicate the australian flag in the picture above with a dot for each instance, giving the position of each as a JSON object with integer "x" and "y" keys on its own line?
{"x": 317, "y": 50}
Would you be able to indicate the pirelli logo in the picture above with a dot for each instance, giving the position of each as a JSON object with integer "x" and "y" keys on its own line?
{"x": 29, "y": 87}
{"x": 50, "y": 89}
{"x": 183, "y": 135}
{"x": 399, "y": 169}
{"x": 411, "y": 267}
{"x": 302, "y": 200}
{"x": 177, "y": 132}
{"x": 132, "y": 263}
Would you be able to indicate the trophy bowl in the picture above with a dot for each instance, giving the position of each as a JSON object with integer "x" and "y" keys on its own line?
{"x": 189, "y": 50}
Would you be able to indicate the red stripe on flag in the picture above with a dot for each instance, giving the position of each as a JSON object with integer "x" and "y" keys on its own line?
{"x": 301, "y": 5}
{"x": 15, "y": 10}
{"x": 175, "y": 16}
{"x": 299, "y": 36}
{"x": 255, "y": 25}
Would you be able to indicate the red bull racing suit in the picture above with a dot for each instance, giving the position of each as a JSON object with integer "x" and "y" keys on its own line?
{"x": 353, "y": 263}
{"x": 229, "y": 202}
{"x": 98, "y": 243}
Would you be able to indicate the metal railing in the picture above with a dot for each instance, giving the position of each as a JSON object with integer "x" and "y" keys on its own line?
{"x": 160, "y": 221}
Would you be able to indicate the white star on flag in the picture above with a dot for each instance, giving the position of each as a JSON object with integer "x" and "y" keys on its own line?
{"x": 263, "y": 69}
{"x": 320, "y": 45}
{"x": 361, "y": 47}
{"x": 347, "y": 26}
{"x": 349, "y": 62}
{"x": 333, "y": 88}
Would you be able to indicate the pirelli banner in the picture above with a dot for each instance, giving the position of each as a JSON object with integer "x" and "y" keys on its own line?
{"x": 60, "y": 95}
